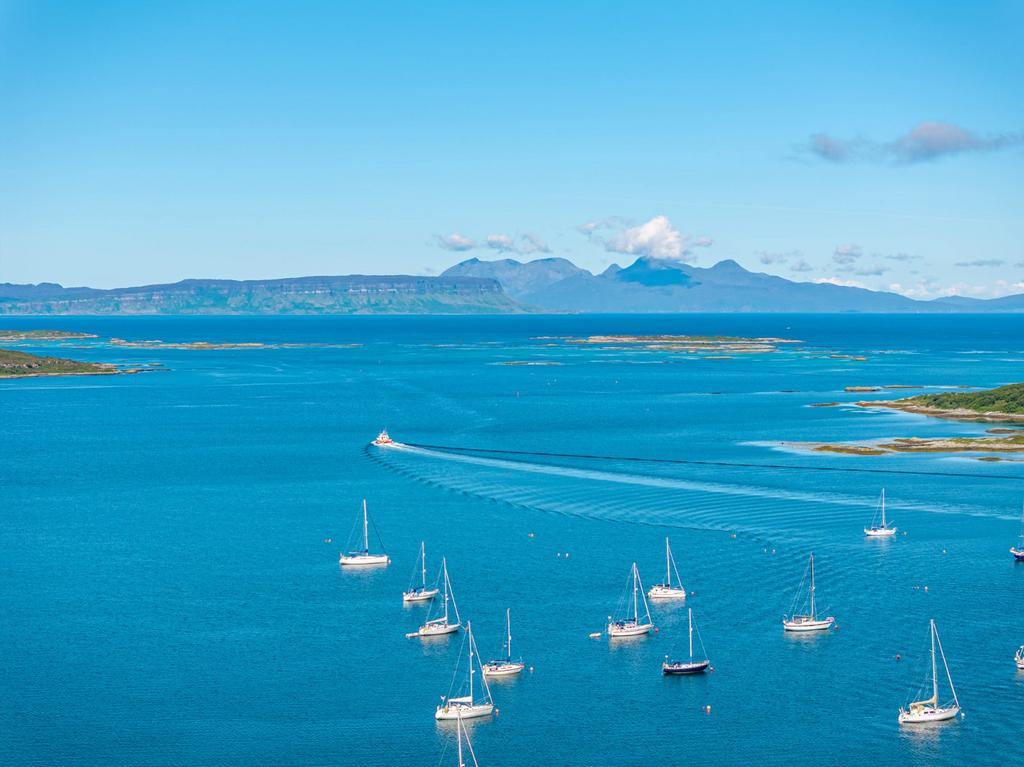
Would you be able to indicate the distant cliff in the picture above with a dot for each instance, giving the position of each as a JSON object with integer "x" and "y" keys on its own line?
{"x": 355, "y": 294}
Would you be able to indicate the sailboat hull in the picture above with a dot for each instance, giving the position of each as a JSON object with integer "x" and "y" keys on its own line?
{"x": 661, "y": 591}
{"x": 929, "y": 714}
{"x": 1018, "y": 554}
{"x": 501, "y": 668}
{"x": 364, "y": 560}
{"x": 435, "y": 630}
{"x": 629, "y": 629}
{"x": 423, "y": 595}
{"x": 879, "y": 532}
{"x": 807, "y": 624}
{"x": 463, "y": 711}
{"x": 684, "y": 668}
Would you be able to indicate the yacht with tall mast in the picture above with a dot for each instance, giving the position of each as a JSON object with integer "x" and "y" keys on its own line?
{"x": 691, "y": 665}
{"x": 442, "y": 623}
{"x": 362, "y": 557}
{"x": 929, "y": 710}
{"x": 476, "y": 702}
{"x": 668, "y": 589}
{"x": 505, "y": 666}
{"x": 880, "y": 529}
{"x": 418, "y": 592}
{"x": 635, "y": 624}
{"x": 1018, "y": 551}
{"x": 808, "y": 621}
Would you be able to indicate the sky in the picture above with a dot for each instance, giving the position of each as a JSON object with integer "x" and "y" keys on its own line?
{"x": 871, "y": 143}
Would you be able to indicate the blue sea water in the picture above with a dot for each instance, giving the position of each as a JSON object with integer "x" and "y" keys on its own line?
{"x": 170, "y": 597}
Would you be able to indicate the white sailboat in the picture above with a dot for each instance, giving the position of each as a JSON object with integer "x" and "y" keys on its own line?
{"x": 460, "y": 733}
{"x": 1018, "y": 551}
{"x": 420, "y": 592}
{"x": 467, "y": 706}
{"x": 505, "y": 666}
{"x": 362, "y": 557}
{"x": 442, "y": 624}
{"x": 882, "y": 530}
{"x": 929, "y": 710}
{"x": 1018, "y": 658}
{"x": 668, "y": 590}
{"x": 636, "y": 625}
{"x": 693, "y": 665}
{"x": 808, "y": 621}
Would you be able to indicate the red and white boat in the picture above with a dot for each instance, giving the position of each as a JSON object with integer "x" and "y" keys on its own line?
{"x": 383, "y": 439}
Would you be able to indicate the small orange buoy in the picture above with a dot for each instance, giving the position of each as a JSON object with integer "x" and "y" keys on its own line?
{"x": 497, "y": 711}
{"x": 656, "y": 629}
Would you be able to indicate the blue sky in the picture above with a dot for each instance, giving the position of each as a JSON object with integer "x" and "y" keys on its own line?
{"x": 859, "y": 142}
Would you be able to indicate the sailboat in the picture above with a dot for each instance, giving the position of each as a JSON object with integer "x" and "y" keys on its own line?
{"x": 687, "y": 667}
{"x": 506, "y": 666}
{"x": 1018, "y": 551}
{"x": 441, "y": 624}
{"x": 420, "y": 592}
{"x": 363, "y": 557}
{"x": 467, "y": 706}
{"x": 1018, "y": 658}
{"x": 883, "y": 530}
{"x": 810, "y": 620}
{"x": 667, "y": 590}
{"x": 460, "y": 733}
{"x": 929, "y": 710}
{"x": 634, "y": 626}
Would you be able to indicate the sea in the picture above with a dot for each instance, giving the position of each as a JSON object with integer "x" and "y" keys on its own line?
{"x": 169, "y": 542}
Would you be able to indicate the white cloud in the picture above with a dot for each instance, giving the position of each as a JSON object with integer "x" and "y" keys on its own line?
{"x": 801, "y": 266}
{"x": 838, "y": 281}
{"x": 499, "y": 242}
{"x": 847, "y": 254}
{"x": 531, "y": 243}
{"x": 703, "y": 242}
{"x": 455, "y": 241}
{"x": 656, "y": 238}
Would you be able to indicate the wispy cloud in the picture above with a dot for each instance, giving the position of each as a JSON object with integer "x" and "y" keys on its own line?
{"x": 847, "y": 254}
{"x": 702, "y": 242}
{"x": 769, "y": 258}
{"x": 801, "y": 266}
{"x": 902, "y": 257}
{"x": 523, "y": 244}
{"x": 982, "y": 262}
{"x": 455, "y": 241}
{"x": 924, "y": 142}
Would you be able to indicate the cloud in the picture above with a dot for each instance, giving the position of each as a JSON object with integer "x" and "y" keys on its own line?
{"x": 801, "y": 266}
{"x": 768, "y": 259}
{"x": 608, "y": 222}
{"x": 902, "y": 257}
{"x": 522, "y": 244}
{"x": 847, "y": 254}
{"x": 982, "y": 262}
{"x": 656, "y": 238}
{"x": 838, "y": 281}
{"x": 531, "y": 243}
{"x": 867, "y": 271}
{"x": 455, "y": 241}
{"x": 703, "y": 242}
{"x": 924, "y": 142}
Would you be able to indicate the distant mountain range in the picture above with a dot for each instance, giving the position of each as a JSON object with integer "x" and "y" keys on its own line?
{"x": 493, "y": 287}
{"x": 660, "y": 285}
{"x": 355, "y": 294}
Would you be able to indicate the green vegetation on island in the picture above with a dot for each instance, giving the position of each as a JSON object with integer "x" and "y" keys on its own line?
{"x": 19, "y": 364}
{"x": 1005, "y": 403}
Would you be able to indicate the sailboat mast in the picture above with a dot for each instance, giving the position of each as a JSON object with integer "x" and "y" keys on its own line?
{"x": 423, "y": 559}
{"x": 689, "y": 617}
{"x": 668, "y": 570}
{"x": 508, "y": 631}
{"x": 469, "y": 630}
{"x": 935, "y": 675}
{"x": 813, "y": 613}
{"x": 447, "y": 588}
{"x": 883, "y": 507}
{"x": 458, "y": 736}
{"x": 366, "y": 529}
{"x": 636, "y": 612}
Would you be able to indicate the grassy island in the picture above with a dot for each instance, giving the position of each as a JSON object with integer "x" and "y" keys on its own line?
{"x": 42, "y": 335}
{"x": 1004, "y": 404}
{"x": 21, "y": 365}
